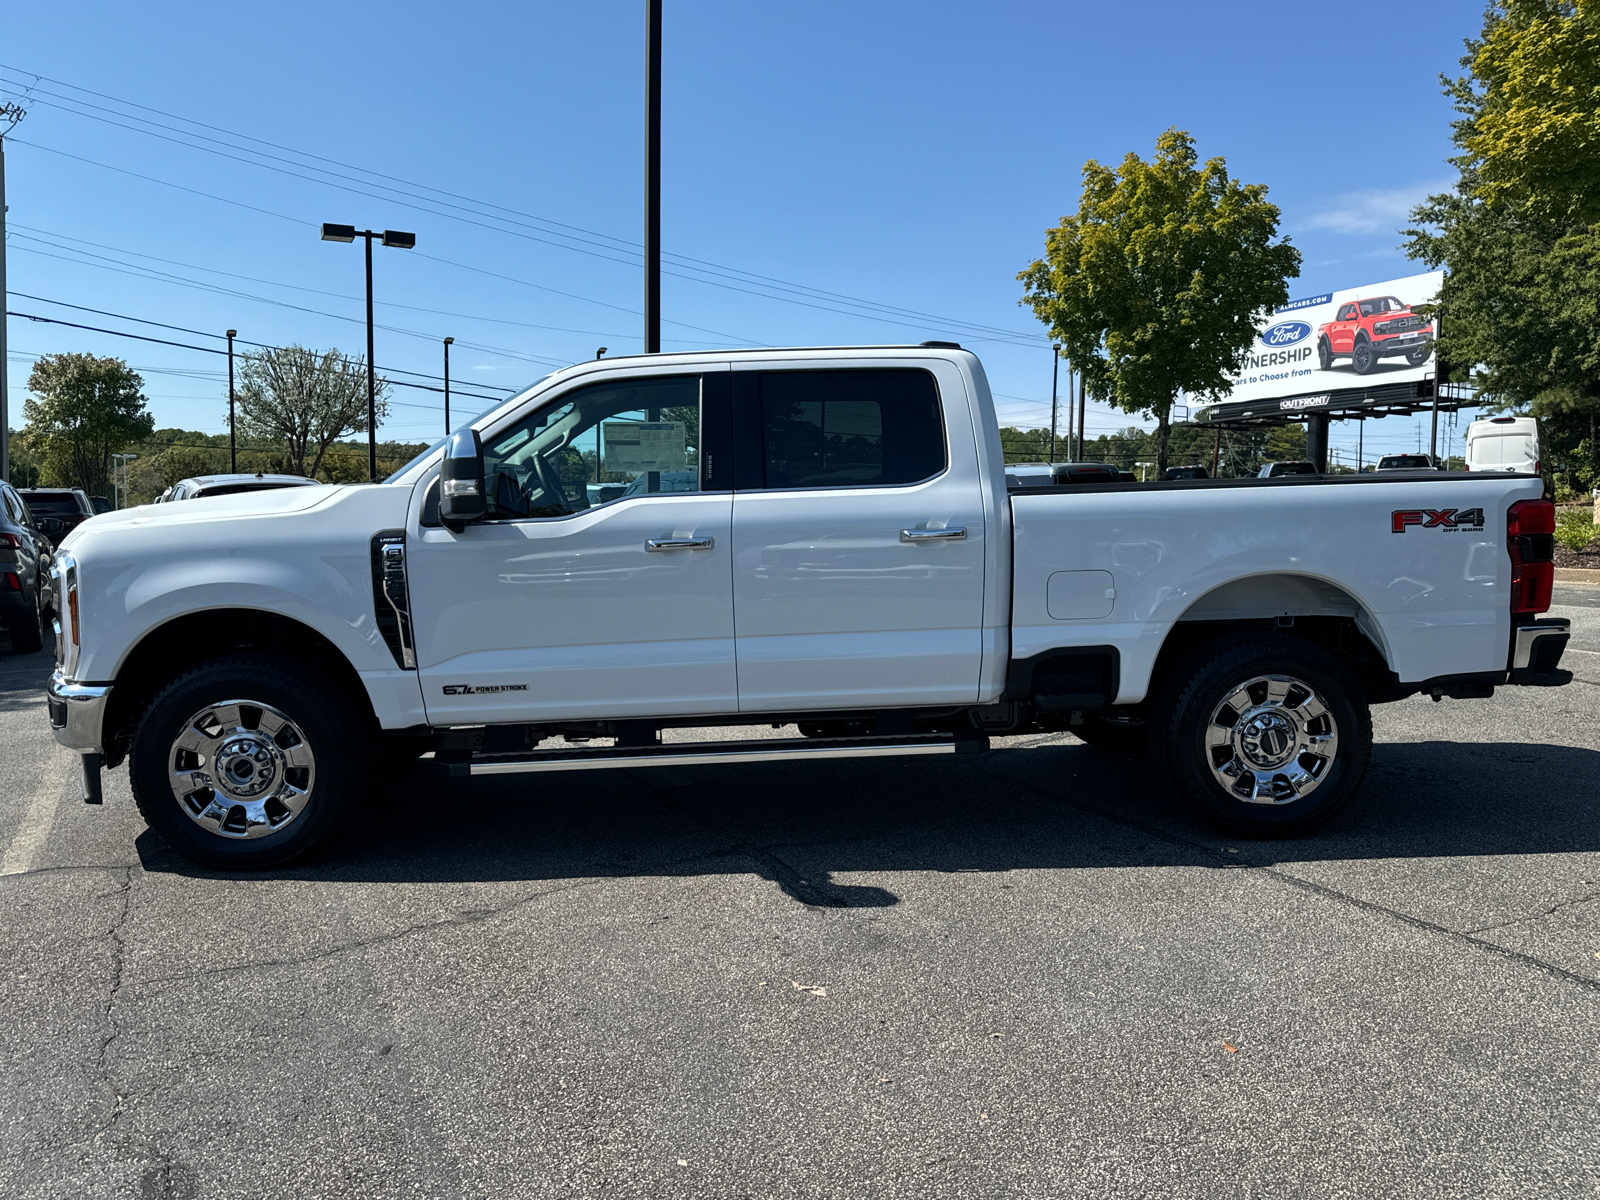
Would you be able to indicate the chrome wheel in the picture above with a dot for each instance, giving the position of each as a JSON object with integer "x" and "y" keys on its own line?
{"x": 241, "y": 769}
{"x": 1272, "y": 740}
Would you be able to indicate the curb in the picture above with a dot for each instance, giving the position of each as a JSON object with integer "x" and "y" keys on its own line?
{"x": 1578, "y": 575}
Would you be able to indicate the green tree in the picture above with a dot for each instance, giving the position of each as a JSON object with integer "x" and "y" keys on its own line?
{"x": 83, "y": 410}
{"x": 1285, "y": 443}
{"x": 1520, "y": 303}
{"x": 1154, "y": 286}
{"x": 304, "y": 400}
{"x": 1533, "y": 108}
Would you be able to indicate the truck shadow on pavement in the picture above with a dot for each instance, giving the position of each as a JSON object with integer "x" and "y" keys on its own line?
{"x": 826, "y": 834}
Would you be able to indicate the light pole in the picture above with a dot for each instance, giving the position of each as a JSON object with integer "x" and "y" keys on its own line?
{"x": 401, "y": 241}
{"x": 1055, "y": 372}
{"x": 652, "y": 176}
{"x": 233, "y": 452}
{"x": 1083, "y": 405}
{"x": 448, "y": 342}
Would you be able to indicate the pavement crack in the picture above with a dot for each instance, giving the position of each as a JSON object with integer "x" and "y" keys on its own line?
{"x": 1305, "y": 885}
{"x": 454, "y": 921}
{"x": 1538, "y": 916}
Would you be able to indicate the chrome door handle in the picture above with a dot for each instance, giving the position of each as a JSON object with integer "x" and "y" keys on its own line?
{"x": 959, "y": 534}
{"x": 679, "y": 544}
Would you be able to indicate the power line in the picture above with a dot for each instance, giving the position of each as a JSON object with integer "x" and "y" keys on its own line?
{"x": 717, "y": 275}
{"x": 201, "y": 285}
{"x": 246, "y": 341}
{"x": 213, "y": 350}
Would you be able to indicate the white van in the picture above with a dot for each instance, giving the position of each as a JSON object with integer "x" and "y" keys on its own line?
{"x": 1503, "y": 444}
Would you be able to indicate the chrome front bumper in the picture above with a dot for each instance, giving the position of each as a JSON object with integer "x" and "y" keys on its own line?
{"x": 77, "y": 713}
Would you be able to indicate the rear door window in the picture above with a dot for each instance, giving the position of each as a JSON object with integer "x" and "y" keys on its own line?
{"x": 859, "y": 428}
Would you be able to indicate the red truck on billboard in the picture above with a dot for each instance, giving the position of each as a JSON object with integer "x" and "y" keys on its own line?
{"x": 1365, "y": 331}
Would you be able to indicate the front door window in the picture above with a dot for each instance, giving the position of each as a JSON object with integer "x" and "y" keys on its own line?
{"x": 599, "y": 444}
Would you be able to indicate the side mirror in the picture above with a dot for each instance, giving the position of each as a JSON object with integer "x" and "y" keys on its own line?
{"x": 461, "y": 497}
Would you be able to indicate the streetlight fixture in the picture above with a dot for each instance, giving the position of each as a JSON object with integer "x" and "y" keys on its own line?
{"x": 400, "y": 241}
{"x": 233, "y": 451}
{"x": 448, "y": 342}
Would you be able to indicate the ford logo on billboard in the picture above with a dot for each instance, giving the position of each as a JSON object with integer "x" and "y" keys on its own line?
{"x": 1286, "y": 333}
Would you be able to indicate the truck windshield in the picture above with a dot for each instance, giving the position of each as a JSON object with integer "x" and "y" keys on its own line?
{"x": 1383, "y": 304}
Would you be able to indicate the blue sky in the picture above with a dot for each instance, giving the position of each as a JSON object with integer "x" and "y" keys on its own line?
{"x": 816, "y": 156}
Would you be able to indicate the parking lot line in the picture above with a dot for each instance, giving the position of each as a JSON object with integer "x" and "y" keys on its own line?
{"x": 41, "y": 815}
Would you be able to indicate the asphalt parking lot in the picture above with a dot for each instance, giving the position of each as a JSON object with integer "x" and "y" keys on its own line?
{"x": 1029, "y": 974}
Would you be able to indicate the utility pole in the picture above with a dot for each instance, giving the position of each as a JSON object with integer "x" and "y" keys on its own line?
{"x": 10, "y": 114}
{"x": 233, "y": 436}
{"x": 448, "y": 342}
{"x": 652, "y": 177}
{"x": 1055, "y": 370}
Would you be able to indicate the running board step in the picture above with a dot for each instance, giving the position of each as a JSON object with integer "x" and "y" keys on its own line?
{"x": 690, "y": 753}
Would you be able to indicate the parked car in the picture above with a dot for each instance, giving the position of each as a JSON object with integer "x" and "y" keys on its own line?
{"x": 229, "y": 485}
{"x": 25, "y": 556}
{"x": 246, "y": 657}
{"x": 100, "y": 504}
{"x": 1274, "y": 470}
{"x": 1189, "y": 472}
{"x": 1367, "y": 331}
{"x": 1408, "y": 462}
{"x": 70, "y": 506}
{"x": 1504, "y": 444}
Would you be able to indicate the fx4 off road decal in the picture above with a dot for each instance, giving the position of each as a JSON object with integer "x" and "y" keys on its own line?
{"x": 467, "y": 689}
{"x": 1448, "y": 519}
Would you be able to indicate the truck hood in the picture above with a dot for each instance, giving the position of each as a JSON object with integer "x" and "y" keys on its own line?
{"x": 271, "y": 502}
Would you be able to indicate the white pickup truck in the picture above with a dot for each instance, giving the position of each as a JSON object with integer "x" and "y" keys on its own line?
{"x": 815, "y": 537}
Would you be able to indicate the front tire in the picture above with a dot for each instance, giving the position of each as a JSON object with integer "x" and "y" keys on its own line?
{"x": 248, "y": 761}
{"x": 1267, "y": 735}
{"x": 1417, "y": 357}
{"x": 1362, "y": 358}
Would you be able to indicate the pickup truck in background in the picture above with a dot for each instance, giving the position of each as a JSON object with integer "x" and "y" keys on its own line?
{"x": 823, "y": 538}
{"x": 1368, "y": 331}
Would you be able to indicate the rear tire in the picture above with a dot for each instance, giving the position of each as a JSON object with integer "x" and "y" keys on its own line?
{"x": 1324, "y": 355}
{"x": 1267, "y": 735}
{"x": 248, "y": 761}
{"x": 27, "y": 631}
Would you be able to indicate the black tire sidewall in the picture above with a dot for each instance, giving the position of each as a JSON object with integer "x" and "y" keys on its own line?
{"x": 1324, "y": 355}
{"x": 324, "y": 717}
{"x": 1356, "y": 357}
{"x": 1214, "y": 675}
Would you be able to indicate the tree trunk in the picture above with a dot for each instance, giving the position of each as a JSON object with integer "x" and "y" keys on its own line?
{"x": 1163, "y": 428}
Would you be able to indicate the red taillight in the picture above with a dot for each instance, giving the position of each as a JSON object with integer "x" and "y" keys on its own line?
{"x": 1530, "y": 540}
{"x": 10, "y": 541}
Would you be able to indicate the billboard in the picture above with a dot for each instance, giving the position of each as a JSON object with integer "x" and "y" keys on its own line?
{"x": 1356, "y": 340}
